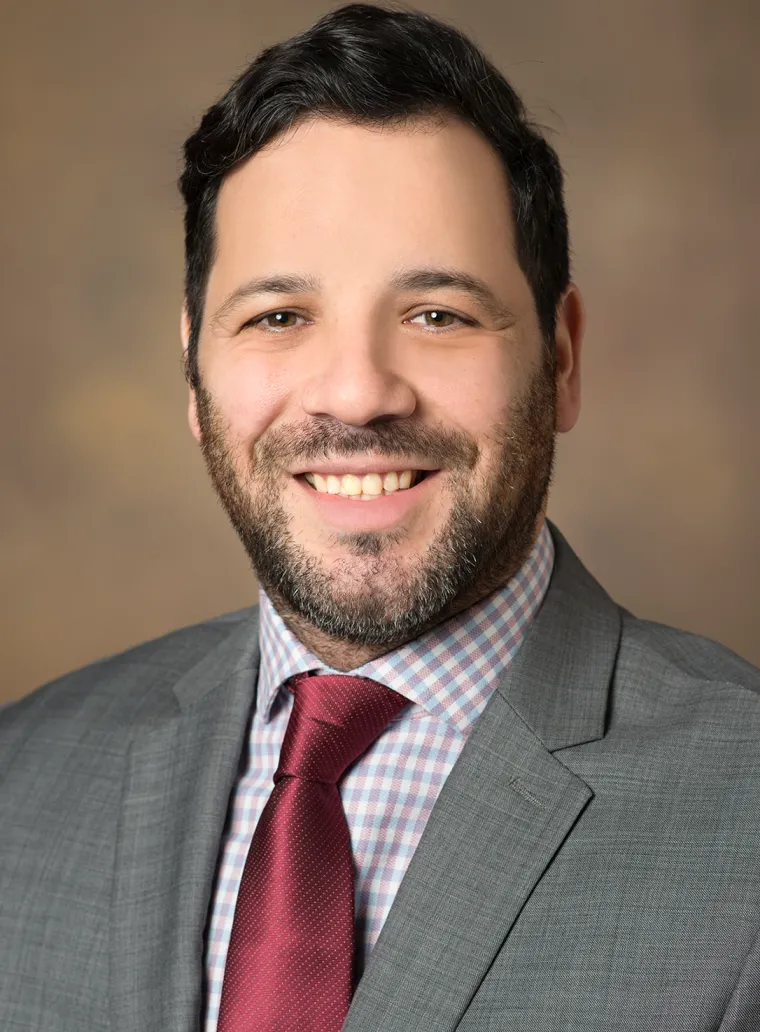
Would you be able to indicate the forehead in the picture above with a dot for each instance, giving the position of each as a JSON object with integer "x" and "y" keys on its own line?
{"x": 329, "y": 194}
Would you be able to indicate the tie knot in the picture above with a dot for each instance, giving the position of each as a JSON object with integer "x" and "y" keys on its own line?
{"x": 335, "y": 718}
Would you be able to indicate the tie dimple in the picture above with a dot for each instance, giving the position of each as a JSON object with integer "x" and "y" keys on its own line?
{"x": 290, "y": 957}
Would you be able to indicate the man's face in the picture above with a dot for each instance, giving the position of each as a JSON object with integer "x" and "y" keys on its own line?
{"x": 358, "y": 369}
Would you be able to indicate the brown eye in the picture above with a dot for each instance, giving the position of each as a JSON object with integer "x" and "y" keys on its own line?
{"x": 440, "y": 319}
{"x": 437, "y": 317}
{"x": 273, "y": 321}
{"x": 279, "y": 320}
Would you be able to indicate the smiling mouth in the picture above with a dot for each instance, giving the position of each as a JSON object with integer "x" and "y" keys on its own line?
{"x": 366, "y": 487}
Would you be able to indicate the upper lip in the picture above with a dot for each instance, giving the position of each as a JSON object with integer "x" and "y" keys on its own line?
{"x": 358, "y": 466}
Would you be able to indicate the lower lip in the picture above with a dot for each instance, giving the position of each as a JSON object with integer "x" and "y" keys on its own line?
{"x": 379, "y": 514}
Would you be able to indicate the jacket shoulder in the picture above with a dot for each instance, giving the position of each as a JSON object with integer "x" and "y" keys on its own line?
{"x": 662, "y": 670}
{"x": 113, "y": 688}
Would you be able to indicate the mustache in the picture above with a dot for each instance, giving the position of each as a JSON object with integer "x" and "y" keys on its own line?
{"x": 324, "y": 438}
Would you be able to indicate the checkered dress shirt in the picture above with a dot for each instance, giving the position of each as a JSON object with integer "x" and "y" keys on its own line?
{"x": 448, "y": 674}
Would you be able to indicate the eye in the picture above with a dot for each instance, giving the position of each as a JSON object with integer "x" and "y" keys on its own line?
{"x": 280, "y": 323}
{"x": 438, "y": 317}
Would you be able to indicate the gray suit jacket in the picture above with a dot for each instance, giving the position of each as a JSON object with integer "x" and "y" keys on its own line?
{"x": 592, "y": 862}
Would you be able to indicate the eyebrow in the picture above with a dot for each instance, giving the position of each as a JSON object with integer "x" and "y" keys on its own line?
{"x": 434, "y": 277}
{"x": 426, "y": 278}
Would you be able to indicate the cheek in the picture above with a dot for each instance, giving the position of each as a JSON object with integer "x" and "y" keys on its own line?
{"x": 474, "y": 395}
{"x": 248, "y": 398}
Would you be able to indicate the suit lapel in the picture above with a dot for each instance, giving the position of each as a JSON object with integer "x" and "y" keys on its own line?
{"x": 500, "y": 818}
{"x": 172, "y": 821}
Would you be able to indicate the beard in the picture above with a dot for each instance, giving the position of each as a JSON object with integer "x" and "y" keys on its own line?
{"x": 369, "y": 596}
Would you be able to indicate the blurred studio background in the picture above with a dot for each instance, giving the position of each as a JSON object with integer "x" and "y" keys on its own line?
{"x": 109, "y": 531}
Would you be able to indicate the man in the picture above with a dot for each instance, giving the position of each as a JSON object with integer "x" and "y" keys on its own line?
{"x": 500, "y": 801}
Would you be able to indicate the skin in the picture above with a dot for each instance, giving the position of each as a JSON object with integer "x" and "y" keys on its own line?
{"x": 359, "y": 368}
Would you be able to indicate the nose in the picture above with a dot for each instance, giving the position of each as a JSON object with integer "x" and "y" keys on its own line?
{"x": 357, "y": 380}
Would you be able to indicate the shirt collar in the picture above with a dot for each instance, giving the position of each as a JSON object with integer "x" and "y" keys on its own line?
{"x": 450, "y": 671}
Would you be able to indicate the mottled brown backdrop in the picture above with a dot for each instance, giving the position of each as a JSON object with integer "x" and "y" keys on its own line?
{"x": 109, "y": 532}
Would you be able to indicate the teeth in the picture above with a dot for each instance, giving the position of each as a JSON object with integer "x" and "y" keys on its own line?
{"x": 365, "y": 488}
{"x": 350, "y": 485}
{"x": 372, "y": 485}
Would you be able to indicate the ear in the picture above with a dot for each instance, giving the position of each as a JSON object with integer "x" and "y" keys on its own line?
{"x": 192, "y": 408}
{"x": 568, "y": 342}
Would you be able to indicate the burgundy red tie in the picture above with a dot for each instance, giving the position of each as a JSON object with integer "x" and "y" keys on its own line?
{"x": 290, "y": 959}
